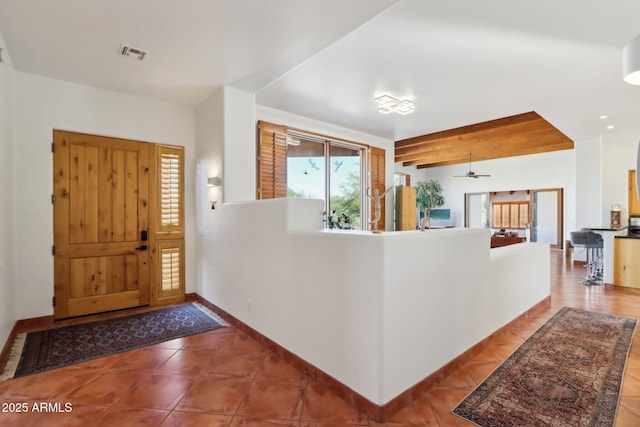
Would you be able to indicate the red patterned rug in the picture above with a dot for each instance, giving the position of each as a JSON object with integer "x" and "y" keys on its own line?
{"x": 53, "y": 348}
{"x": 568, "y": 373}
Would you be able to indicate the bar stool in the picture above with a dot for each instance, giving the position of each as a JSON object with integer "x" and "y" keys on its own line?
{"x": 594, "y": 244}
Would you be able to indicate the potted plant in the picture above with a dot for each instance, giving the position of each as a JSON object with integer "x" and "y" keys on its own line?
{"x": 428, "y": 196}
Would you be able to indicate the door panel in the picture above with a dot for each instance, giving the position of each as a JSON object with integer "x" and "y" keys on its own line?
{"x": 101, "y": 187}
{"x": 476, "y": 210}
{"x": 548, "y": 217}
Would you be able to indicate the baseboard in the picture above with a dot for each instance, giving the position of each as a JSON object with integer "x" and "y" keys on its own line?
{"x": 374, "y": 411}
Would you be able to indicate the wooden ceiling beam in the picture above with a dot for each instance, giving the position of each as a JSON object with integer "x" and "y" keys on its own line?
{"x": 477, "y": 147}
{"x": 422, "y": 164}
{"x": 522, "y": 134}
{"x": 489, "y": 151}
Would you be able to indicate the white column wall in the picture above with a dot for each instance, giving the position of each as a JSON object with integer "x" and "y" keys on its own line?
{"x": 8, "y": 314}
{"x": 589, "y": 175}
{"x": 619, "y": 153}
{"x": 43, "y": 105}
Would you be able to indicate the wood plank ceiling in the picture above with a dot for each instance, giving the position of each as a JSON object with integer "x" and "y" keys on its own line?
{"x": 518, "y": 135}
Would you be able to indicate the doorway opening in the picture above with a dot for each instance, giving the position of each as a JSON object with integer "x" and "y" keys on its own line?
{"x": 537, "y": 215}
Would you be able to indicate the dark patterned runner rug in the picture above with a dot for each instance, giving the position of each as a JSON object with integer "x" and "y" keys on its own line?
{"x": 54, "y": 348}
{"x": 568, "y": 373}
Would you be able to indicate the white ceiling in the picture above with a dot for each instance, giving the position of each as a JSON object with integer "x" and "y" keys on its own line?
{"x": 462, "y": 61}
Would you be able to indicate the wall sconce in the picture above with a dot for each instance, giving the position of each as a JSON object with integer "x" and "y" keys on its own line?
{"x": 214, "y": 181}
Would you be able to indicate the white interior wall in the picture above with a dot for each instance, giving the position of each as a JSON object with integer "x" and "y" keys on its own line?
{"x": 43, "y": 105}
{"x": 239, "y": 180}
{"x": 304, "y": 123}
{"x": 8, "y": 314}
{"x": 539, "y": 171}
{"x": 589, "y": 184}
{"x": 618, "y": 156}
{"x": 209, "y": 143}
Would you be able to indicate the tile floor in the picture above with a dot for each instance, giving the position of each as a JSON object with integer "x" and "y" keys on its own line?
{"x": 224, "y": 378}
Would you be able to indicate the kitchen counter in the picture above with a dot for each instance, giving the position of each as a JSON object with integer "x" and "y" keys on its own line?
{"x": 627, "y": 267}
{"x": 608, "y": 234}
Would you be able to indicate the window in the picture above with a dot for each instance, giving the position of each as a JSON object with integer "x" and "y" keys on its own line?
{"x": 170, "y": 161}
{"x": 168, "y": 240}
{"x": 329, "y": 170}
{"x": 293, "y": 163}
{"x": 513, "y": 215}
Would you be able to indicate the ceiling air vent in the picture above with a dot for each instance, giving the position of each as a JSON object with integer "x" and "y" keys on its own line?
{"x": 133, "y": 52}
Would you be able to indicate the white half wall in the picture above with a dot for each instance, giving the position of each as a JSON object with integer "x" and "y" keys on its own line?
{"x": 43, "y": 105}
{"x": 8, "y": 314}
{"x": 377, "y": 312}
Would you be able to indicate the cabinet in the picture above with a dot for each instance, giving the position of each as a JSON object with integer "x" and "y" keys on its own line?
{"x": 498, "y": 241}
{"x": 405, "y": 208}
{"x": 634, "y": 203}
{"x": 626, "y": 268}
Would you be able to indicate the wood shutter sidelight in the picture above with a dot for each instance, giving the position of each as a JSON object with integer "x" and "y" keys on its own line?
{"x": 272, "y": 161}
{"x": 167, "y": 240}
{"x": 377, "y": 169}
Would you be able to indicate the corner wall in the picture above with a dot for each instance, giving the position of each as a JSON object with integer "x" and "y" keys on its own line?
{"x": 8, "y": 314}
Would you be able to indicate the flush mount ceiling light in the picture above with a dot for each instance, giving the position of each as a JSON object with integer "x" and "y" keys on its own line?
{"x": 631, "y": 62}
{"x": 388, "y": 104}
{"x": 132, "y": 52}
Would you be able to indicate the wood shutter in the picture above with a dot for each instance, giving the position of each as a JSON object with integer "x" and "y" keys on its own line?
{"x": 272, "y": 161}
{"x": 510, "y": 215}
{"x": 167, "y": 243}
{"x": 376, "y": 166}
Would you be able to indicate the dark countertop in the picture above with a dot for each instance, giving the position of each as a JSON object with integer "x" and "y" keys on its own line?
{"x": 628, "y": 236}
{"x": 603, "y": 229}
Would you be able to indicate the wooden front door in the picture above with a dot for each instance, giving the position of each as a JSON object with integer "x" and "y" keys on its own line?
{"x": 101, "y": 224}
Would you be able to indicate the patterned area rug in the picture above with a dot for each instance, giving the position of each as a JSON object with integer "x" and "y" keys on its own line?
{"x": 54, "y": 348}
{"x": 568, "y": 373}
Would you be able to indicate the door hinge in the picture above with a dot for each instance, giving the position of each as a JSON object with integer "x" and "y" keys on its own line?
{"x": 53, "y": 250}
{"x": 53, "y": 147}
{"x": 53, "y": 302}
{"x": 53, "y": 198}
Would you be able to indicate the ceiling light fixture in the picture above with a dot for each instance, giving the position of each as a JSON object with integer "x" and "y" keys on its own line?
{"x": 132, "y": 51}
{"x": 631, "y": 62}
{"x": 388, "y": 104}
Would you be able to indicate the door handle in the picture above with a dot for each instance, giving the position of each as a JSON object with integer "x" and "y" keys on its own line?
{"x": 142, "y": 248}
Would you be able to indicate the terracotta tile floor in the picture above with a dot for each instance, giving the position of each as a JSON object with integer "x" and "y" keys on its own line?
{"x": 223, "y": 378}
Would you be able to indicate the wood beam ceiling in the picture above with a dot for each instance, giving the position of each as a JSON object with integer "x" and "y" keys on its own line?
{"x": 518, "y": 135}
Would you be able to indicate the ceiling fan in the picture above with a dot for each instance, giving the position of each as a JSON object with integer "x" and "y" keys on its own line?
{"x": 470, "y": 173}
